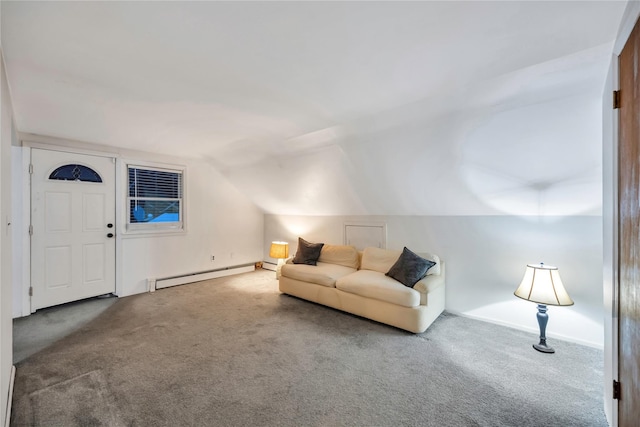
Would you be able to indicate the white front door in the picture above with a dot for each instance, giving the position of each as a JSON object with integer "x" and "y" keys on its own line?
{"x": 73, "y": 220}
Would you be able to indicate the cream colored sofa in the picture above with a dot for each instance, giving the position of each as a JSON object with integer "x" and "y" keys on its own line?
{"x": 356, "y": 283}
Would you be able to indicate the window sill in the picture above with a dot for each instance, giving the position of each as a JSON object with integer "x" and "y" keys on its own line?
{"x": 150, "y": 232}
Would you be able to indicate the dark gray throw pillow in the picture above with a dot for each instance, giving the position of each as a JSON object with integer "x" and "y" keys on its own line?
{"x": 409, "y": 268}
{"x": 307, "y": 253}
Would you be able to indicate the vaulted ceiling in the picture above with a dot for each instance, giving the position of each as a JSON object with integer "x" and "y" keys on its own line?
{"x": 407, "y": 108}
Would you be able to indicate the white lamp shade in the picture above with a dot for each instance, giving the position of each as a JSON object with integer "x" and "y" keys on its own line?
{"x": 542, "y": 284}
{"x": 279, "y": 250}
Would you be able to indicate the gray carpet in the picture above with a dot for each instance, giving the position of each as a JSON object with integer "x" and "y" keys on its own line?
{"x": 38, "y": 331}
{"x": 84, "y": 400}
{"x": 235, "y": 352}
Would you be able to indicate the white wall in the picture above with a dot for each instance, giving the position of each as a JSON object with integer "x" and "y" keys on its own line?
{"x": 534, "y": 148}
{"x": 6, "y": 324}
{"x": 220, "y": 221}
{"x": 486, "y": 258}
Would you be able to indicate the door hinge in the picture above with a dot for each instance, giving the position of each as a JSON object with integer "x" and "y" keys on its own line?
{"x": 30, "y": 230}
{"x": 31, "y": 168}
{"x": 616, "y": 99}
{"x": 31, "y": 291}
{"x": 616, "y": 390}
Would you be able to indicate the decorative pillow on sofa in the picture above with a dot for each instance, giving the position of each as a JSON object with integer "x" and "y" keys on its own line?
{"x": 409, "y": 268}
{"x": 307, "y": 253}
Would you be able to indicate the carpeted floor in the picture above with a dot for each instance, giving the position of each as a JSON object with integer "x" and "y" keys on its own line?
{"x": 235, "y": 352}
{"x": 38, "y": 331}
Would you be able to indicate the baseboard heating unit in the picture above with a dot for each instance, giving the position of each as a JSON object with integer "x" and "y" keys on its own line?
{"x": 269, "y": 266}
{"x": 166, "y": 282}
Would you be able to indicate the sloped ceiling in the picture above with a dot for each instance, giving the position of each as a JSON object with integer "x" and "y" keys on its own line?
{"x": 406, "y": 108}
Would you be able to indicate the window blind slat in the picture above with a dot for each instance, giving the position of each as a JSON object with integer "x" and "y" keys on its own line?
{"x": 155, "y": 196}
{"x": 151, "y": 183}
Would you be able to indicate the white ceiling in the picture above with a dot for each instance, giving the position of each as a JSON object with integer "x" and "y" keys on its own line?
{"x": 409, "y": 108}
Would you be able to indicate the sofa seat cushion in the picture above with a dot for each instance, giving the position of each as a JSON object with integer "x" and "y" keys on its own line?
{"x": 323, "y": 273}
{"x": 375, "y": 285}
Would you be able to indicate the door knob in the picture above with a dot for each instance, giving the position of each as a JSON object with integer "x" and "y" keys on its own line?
{"x": 110, "y": 235}
{"x": 109, "y": 225}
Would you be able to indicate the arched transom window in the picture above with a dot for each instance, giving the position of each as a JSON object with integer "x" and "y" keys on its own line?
{"x": 75, "y": 172}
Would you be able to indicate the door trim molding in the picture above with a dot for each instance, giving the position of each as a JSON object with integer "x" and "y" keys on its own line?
{"x": 27, "y": 145}
{"x": 66, "y": 149}
{"x": 26, "y": 238}
{"x": 69, "y": 146}
{"x": 629, "y": 18}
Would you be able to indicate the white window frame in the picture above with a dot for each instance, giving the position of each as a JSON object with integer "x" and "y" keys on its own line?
{"x": 155, "y": 227}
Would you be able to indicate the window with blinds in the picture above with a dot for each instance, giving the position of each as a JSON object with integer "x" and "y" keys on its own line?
{"x": 155, "y": 198}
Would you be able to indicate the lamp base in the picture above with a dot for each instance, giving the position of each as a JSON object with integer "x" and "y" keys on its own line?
{"x": 543, "y": 317}
{"x": 279, "y": 268}
{"x": 544, "y": 348}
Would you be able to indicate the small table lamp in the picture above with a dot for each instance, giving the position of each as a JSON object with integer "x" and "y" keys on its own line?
{"x": 279, "y": 250}
{"x": 542, "y": 284}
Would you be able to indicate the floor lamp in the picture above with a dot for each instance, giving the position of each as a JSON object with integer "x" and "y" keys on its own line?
{"x": 541, "y": 284}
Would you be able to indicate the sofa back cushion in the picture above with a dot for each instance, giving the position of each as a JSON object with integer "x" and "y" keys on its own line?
{"x": 380, "y": 260}
{"x": 344, "y": 255}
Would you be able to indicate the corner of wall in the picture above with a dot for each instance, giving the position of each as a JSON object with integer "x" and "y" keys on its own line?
{"x": 12, "y": 378}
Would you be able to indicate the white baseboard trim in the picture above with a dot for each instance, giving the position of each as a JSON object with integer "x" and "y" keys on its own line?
{"x": 269, "y": 266}
{"x": 526, "y": 329}
{"x": 12, "y": 379}
{"x": 197, "y": 277}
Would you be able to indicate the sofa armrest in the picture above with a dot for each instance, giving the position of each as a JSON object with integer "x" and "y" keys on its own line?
{"x": 431, "y": 282}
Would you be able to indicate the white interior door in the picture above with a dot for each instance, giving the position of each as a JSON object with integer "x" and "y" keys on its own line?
{"x": 73, "y": 227}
